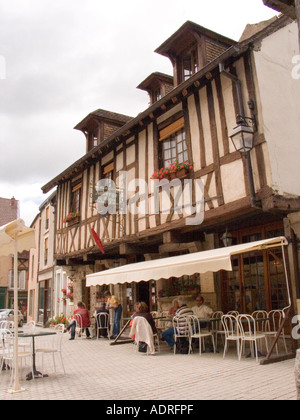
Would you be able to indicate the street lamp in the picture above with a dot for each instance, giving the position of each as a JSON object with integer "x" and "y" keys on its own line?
{"x": 242, "y": 137}
{"x": 227, "y": 238}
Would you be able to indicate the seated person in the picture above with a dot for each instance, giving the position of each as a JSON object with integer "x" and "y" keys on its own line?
{"x": 101, "y": 332}
{"x": 174, "y": 307}
{"x": 142, "y": 310}
{"x": 183, "y": 310}
{"x": 81, "y": 310}
{"x": 201, "y": 310}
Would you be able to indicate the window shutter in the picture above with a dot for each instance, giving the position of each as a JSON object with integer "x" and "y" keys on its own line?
{"x": 171, "y": 129}
{"x": 108, "y": 168}
{"x": 76, "y": 187}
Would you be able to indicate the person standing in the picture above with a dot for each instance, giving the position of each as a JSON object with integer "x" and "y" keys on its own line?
{"x": 113, "y": 302}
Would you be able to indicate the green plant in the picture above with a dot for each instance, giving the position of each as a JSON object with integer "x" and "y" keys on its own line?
{"x": 59, "y": 319}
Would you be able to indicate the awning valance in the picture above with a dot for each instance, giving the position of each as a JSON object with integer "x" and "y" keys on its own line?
{"x": 188, "y": 264}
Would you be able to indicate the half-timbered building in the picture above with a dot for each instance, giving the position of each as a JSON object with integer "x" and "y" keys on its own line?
{"x": 190, "y": 118}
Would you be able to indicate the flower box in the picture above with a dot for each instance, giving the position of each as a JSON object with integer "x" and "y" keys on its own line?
{"x": 72, "y": 218}
{"x": 175, "y": 170}
{"x": 179, "y": 174}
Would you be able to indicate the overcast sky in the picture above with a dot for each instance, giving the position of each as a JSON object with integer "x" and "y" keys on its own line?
{"x": 62, "y": 59}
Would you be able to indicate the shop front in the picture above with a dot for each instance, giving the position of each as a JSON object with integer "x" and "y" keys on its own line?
{"x": 257, "y": 280}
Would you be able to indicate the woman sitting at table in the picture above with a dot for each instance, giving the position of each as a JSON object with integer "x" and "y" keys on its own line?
{"x": 142, "y": 310}
{"x": 83, "y": 312}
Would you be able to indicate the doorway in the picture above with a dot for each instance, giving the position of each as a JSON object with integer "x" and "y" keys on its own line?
{"x": 143, "y": 292}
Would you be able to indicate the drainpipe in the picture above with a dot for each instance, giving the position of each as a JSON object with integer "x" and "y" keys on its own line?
{"x": 241, "y": 113}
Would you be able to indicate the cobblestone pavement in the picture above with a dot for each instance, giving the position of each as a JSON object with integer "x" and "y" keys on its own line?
{"x": 95, "y": 370}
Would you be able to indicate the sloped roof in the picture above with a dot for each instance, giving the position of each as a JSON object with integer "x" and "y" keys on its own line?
{"x": 252, "y": 29}
{"x": 105, "y": 115}
{"x": 188, "y": 28}
{"x": 153, "y": 77}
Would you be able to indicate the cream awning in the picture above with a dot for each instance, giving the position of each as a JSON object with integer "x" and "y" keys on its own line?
{"x": 188, "y": 264}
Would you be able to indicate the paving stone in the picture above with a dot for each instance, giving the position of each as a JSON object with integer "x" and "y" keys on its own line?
{"x": 120, "y": 373}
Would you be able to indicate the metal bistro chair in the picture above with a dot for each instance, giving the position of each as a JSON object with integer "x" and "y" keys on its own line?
{"x": 261, "y": 319}
{"x": 276, "y": 317}
{"x": 102, "y": 323}
{"x": 55, "y": 347}
{"x": 8, "y": 354}
{"x": 181, "y": 325}
{"x": 232, "y": 333}
{"x": 234, "y": 313}
{"x": 195, "y": 332}
{"x": 79, "y": 330}
{"x": 217, "y": 327}
{"x": 248, "y": 331}
{"x": 28, "y": 328}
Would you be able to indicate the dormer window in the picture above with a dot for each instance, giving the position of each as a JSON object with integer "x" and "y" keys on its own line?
{"x": 191, "y": 48}
{"x": 95, "y": 138}
{"x": 99, "y": 125}
{"x": 157, "y": 95}
{"x": 157, "y": 85}
{"x": 189, "y": 64}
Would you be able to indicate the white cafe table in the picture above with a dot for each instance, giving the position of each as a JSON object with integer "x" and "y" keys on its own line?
{"x": 37, "y": 374}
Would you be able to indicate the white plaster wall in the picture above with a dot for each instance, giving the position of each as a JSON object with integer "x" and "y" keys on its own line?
{"x": 233, "y": 188}
{"x": 280, "y": 103}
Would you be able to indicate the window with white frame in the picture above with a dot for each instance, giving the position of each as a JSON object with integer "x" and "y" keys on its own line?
{"x": 173, "y": 143}
{"x": 21, "y": 279}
